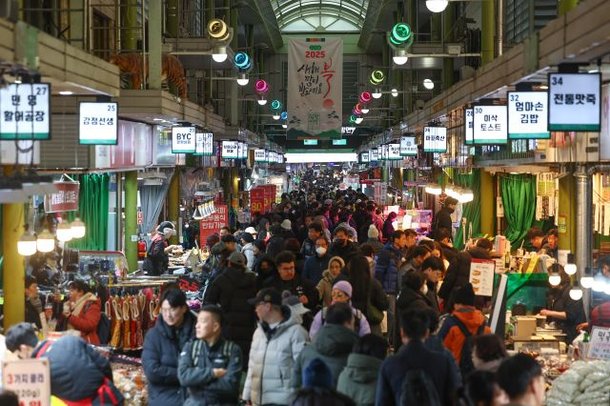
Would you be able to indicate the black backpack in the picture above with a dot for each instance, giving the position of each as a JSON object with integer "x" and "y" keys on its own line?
{"x": 466, "y": 365}
{"x": 417, "y": 389}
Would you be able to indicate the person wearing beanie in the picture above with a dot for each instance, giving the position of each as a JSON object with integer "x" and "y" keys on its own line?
{"x": 442, "y": 219}
{"x": 231, "y": 290}
{"x": 287, "y": 232}
{"x": 341, "y": 293}
{"x": 373, "y": 239}
{"x": 464, "y": 320}
{"x": 332, "y": 344}
{"x": 329, "y": 277}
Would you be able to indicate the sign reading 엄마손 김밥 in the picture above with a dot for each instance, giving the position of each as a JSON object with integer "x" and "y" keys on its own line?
{"x": 65, "y": 199}
{"x": 315, "y": 78}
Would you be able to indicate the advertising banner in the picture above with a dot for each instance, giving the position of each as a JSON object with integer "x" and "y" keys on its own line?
{"x": 257, "y": 200}
{"x": 65, "y": 199}
{"x": 315, "y": 88}
{"x": 213, "y": 223}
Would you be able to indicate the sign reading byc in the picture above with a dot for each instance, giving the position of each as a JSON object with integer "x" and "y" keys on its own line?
{"x": 490, "y": 125}
{"x": 229, "y": 150}
{"x": 408, "y": 147}
{"x": 98, "y": 123}
{"x": 24, "y": 112}
{"x": 259, "y": 155}
{"x": 184, "y": 140}
{"x": 528, "y": 115}
{"x": 574, "y": 101}
{"x": 315, "y": 76}
{"x": 394, "y": 152}
{"x": 468, "y": 126}
{"x": 364, "y": 157}
{"x": 435, "y": 139}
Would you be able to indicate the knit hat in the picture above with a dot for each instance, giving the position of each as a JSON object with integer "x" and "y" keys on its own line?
{"x": 317, "y": 375}
{"x": 286, "y": 225}
{"x": 465, "y": 295}
{"x": 345, "y": 287}
{"x": 292, "y": 301}
{"x": 373, "y": 232}
{"x": 247, "y": 237}
{"x": 237, "y": 258}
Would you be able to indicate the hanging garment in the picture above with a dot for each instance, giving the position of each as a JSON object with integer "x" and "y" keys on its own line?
{"x": 116, "y": 322}
{"x": 127, "y": 345}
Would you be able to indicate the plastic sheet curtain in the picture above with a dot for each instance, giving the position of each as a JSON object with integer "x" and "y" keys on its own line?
{"x": 471, "y": 211}
{"x": 519, "y": 200}
{"x": 93, "y": 211}
{"x": 151, "y": 201}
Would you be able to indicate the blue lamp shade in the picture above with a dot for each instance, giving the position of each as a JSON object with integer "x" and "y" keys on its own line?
{"x": 242, "y": 61}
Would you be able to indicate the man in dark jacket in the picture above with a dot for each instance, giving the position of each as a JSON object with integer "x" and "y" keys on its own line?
{"x": 444, "y": 237}
{"x": 342, "y": 246}
{"x": 287, "y": 279}
{"x": 77, "y": 370}
{"x": 33, "y": 303}
{"x": 332, "y": 344}
{"x": 210, "y": 366}
{"x": 315, "y": 230}
{"x": 442, "y": 219}
{"x": 388, "y": 261}
{"x": 317, "y": 264}
{"x": 414, "y": 356}
{"x": 231, "y": 291}
{"x": 275, "y": 244}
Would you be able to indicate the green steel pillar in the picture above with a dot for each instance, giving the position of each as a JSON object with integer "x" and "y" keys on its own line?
{"x": 567, "y": 5}
{"x": 210, "y": 10}
{"x": 488, "y": 204}
{"x": 131, "y": 216}
{"x": 173, "y": 203}
{"x": 171, "y": 17}
{"x": 397, "y": 178}
{"x": 448, "y": 28}
{"x": 155, "y": 43}
{"x": 233, "y": 98}
{"x": 436, "y": 27}
{"x": 13, "y": 268}
{"x": 129, "y": 25}
{"x": 566, "y": 218}
{"x": 488, "y": 31}
{"x": 78, "y": 23}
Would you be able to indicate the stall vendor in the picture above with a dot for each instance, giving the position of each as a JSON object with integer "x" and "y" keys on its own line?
{"x": 157, "y": 259}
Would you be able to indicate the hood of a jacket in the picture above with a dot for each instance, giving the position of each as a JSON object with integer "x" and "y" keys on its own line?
{"x": 183, "y": 333}
{"x": 288, "y": 321}
{"x": 472, "y": 318}
{"x": 333, "y": 340}
{"x": 327, "y": 275}
{"x": 362, "y": 368}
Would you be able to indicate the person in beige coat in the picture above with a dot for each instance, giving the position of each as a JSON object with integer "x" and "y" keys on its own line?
{"x": 329, "y": 277}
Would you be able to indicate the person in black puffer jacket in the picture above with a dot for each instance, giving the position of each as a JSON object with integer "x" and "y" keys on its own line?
{"x": 162, "y": 346}
{"x": 231, "y": 291}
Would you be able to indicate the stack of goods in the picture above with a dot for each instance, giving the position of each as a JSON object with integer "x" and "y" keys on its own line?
{"x": 585, "y": 383}
{"x": 128, "y": 376}
{"x": 553, "y": 366}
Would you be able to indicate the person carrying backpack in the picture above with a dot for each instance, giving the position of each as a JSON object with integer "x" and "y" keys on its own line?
{"x": 459, "y": 328}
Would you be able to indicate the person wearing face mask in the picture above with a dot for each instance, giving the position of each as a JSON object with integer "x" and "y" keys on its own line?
{"x": 442, "y": 219}
{"x": 315, "y": 266}
{"x": 329, "y": 277}
{"x": 342, "y": 246}
{"x": 157, "y": 258}
{"x": 248, "y": 248}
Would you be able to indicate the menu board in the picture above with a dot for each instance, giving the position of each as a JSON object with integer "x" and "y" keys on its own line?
{"x": 599, "y": 344}
{"x": 482, "y": 276}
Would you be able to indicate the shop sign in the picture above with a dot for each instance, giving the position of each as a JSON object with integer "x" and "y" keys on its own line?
{"x": 244, "y": 150}
{"x": 65, "y": 199}
{"x": 342, "y": 141}
{"x": 198, "y": 144}
{"x": 29, "y": 379}
{"x": 347, "y": 130}
{"x": 528, "y": 115}
{"x": 213, "y": 223}
{"x": 364, "y": 157}
{"x": 490, "y": 125}
{"x": 257, "y": 200}
{"x": 574, "y": 101}
{"x": 468, "y": 126}
{"x": 259, "y": 155}
{"x": 208, "y": 144}
{"x": 374, "y": 155}
{"x": 599, "y": 344}
{"x": 183, "y": 140}
{"x": 229, "y": 150}
{"x": 482, "y": 273}
{"x": 311, "y": 141}
{"x": 380, "y": 192}
{"x": 240, "y": 147}
{"x": 394, "y": 152}
{"x": 98, "y": 123}
{"x": 24, "y": 111}
{"x": 435, "y": 139}
{"x": 408, "y": 146}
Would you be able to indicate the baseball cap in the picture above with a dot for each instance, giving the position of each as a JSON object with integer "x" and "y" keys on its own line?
{"x": 267, "y": 295}
{"x": 251, "y": 230}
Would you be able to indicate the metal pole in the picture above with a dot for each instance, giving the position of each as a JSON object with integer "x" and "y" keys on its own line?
{"x": 584, "y": 203}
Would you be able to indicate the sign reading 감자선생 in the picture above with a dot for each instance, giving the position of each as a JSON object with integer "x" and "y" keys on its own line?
{"x": 184, "y": 140}
{"x": 528, "y": 115}
{"x": 574, "y": 101}
{"x": 435, "y": 139}
{"x": 24, "y": 111}
{"x": 490, "y": 125}
{"x": 98, "y": 123}
{"x": 408, "y": 146}
{"x": 315, "y": 78}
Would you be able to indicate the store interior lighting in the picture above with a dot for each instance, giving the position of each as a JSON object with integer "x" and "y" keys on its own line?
{"x": 365, "y": 110}
{"x": 400, "y": 56}
{"x": 576, "y": 293}
{"x": 394, "y": 92}
{"x": 242, "y": 79}
{"x": 45, "y": 241}
{"x": 261, "y": 101}
{"x": 64, "y": 232}
{"x": 554, "y": 279}
{"x": 433, "y": 189}
{"x": 359, "y": 120}
{"x": 376, "y": 94}
{"x": 26, "y": 245}
{"x": 428, "y": 84}
{"x": 219, "y": 54}
{"x": 78, "y": 228}
{"x": 570, "y": 269}
{"x": 587, "y": 281}
{"x": 437, "y": 6}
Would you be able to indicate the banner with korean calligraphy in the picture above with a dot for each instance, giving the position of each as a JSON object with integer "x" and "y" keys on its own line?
{"x": 24, "y": 111}
{"x": 213, "y": 223}
{"x": 315, "y": 88}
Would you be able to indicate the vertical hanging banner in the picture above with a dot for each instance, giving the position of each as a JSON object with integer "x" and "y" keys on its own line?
{"x": 315, "y": 88}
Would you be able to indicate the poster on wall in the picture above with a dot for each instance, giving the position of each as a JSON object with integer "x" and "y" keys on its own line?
{"x": 490, "y": 125}
{"x": 574, "y": 101}
{"x": 98, "y": 123}
{"x": 528, "y": 115}
{"x": 24, "y": 111}
{"x": 435, "y": 139}
{"x": 315, "y": 88}
{"x": 183, "y": 140}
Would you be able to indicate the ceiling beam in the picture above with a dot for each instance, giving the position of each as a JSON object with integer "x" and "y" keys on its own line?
{"x": 267, "y": 16}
